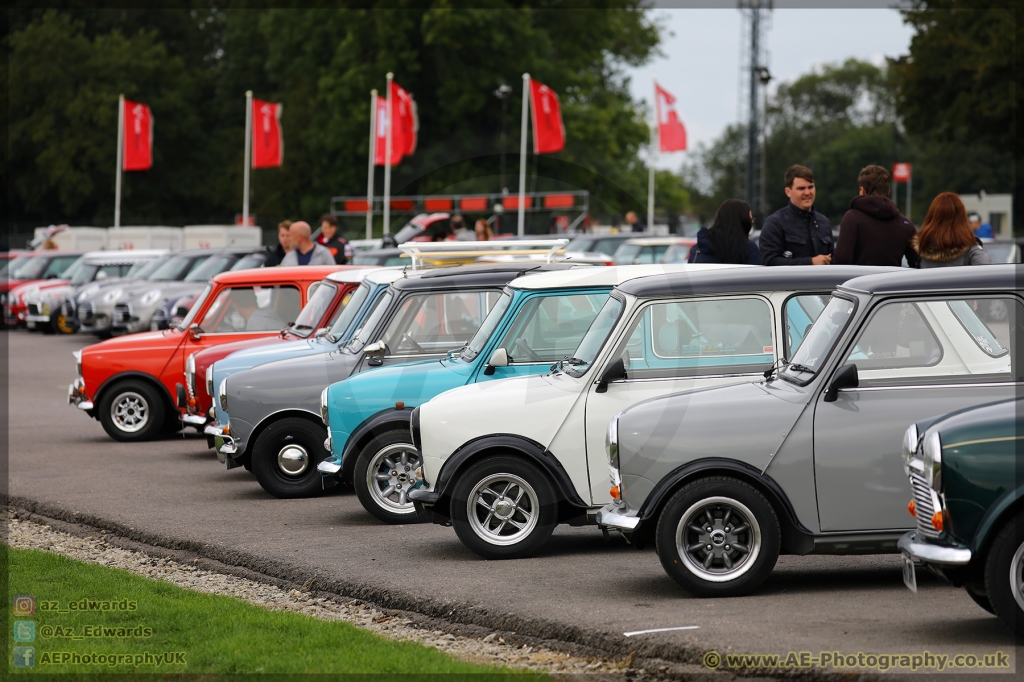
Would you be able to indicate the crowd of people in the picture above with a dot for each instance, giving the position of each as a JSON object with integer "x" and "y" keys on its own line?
{"x": 872, "y": 232}
{"x": 296, "y": 246}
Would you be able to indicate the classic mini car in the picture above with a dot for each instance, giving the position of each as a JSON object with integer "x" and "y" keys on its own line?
{"x": 649, "y": 249}
{"x": 46, "y": 309}
{"x": 274, "y": 412}
{"x": 807, "y": 461}
{"x": 128, "y": 383}
{"x": 139, "y": 304}
{"x": 325, "y": 302}
{"x": 538, "y": 320}
{"x": 967, "y": 473}
{"x": 24, "y": 276}
{"x": 506, "y": 461}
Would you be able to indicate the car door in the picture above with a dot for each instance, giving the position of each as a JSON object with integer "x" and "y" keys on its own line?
{"x": 915, "y": 358}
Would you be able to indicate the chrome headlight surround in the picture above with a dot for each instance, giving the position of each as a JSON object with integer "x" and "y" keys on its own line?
{"x": 150, "y": 297}
{"x": 932, "y": 460}
{"x": 111, "y": 296}
{"x": 222, "y": 394}
{"x": 209, "y": 381}
{"x": 611, "y": 443}
{"x": 78, "y": 360}
{"x": 910, "y": 441}
{"x": 323, "y": 406}
{"x": 190, "y": 374}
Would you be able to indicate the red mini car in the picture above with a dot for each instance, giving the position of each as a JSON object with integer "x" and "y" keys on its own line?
{"x": 29, "y": 270}
{"x": 324, "y": 306}
{"x": 128, "y": 383}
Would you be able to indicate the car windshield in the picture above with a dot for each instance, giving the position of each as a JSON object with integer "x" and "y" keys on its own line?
{"x": 819, "y": 340}
{"x": 194, "y": 310}
{"x": 352, "y": 308}
{"x": 145, "y": 268}
{"x": 175, "y": 268}
{"x": 595, "y": 337}
{"x": 16, "y": 265}
{"x": 1001, "y": 252}
{"x": 313, "y": 312}
{"x": 677, "y": 253}
{"x": 85, "y": 273}
{"x": 606, "y": 246}
{"x": 72, "y": 271}
{"x": 580, "y": 244}
{"x": 476, "y": 344}
{"x": 362, "y": 337}
{"x": 253, "y": 260}
{"x": 214, "y": 265}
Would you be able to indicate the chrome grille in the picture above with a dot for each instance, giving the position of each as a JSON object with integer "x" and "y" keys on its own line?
{"x": 926, "y": 503}
{"x": 122, "y": 313}
{"x": 86, "y": 310}
{"x": 33, "y": 308}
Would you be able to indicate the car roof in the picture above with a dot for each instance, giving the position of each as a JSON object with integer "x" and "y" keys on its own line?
{"x": 352, "y": 273}
{"x": 475, "y": 275}
{"x": 609, "y": 276}
{"x": 658, "y": 241}
{"x": 750, "y": 279}
{"x": 1003, "y": 277}
{"x": 118, "y": 257}
{"x": 310, "y": 273}
{"x": 384, "y": 275}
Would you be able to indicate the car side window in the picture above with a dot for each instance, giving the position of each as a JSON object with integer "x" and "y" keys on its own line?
{"x": 683, "y": 338}
{"x": 252, "y": 309}
{"x": 432, "y": 324}
{"x": 799, "y": 313}
{"x": 549, "y": 328}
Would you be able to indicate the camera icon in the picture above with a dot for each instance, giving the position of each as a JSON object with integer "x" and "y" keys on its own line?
{"x": 24, "y": 605}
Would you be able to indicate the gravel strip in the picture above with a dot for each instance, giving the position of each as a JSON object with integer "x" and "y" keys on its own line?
{"x": 490, "y": 650}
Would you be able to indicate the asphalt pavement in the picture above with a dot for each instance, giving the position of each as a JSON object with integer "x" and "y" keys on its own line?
{"x": 583, "y": 588}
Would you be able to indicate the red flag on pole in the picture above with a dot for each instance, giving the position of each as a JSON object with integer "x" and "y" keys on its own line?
{"x": 671, "y": 133}
{"x": 403, "y": 138}
{"x": 267, "y": 139}
{"x": 548, "y": 129}
{"x": 138, "y": 137}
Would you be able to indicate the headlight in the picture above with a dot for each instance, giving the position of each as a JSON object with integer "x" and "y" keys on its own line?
{"x": 190, "y": 373}
{"x": 910, "y": 439}
{"x": 611, "y": 443}
{"x": 209, "y": 381}
{"x": 933, "y": 460}
{"x": 323, "y": 406}
{"x": 222, "y": 394}
{"x": 88, "y": 291}
{"x": 149, "y": 298}
{"x": 112, "y": 295}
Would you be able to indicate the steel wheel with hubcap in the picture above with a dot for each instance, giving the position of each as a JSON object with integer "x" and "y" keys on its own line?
{"x": 1004, "y": 574}
{"x": 131, "y": 411}
{"x": 285, "y": 456}
{"x": 718, "y": 537}
{"x": 385, "y": 471}
{"x": 503, "y": 508}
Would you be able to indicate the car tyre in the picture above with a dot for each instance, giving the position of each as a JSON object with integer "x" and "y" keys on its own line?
{"x": 482, "y": 514}
{"x": 718, "y": 537}
{"x": 1004, "y": 574}
{"x": 385, "y": 471}
{"x": 61, "y": 324}
{"x": 979, "y": 598}
{"x": 132, "y": 411}
{"x": 285, "y": 457}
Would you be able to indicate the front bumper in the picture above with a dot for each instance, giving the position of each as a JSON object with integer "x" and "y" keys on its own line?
{"x": 225, "y": 446}
{"x": 931, "y": 553}
{"x": 77, "y": 395}
{"x": 38, "y": 319}
{"x": 611, "y": 516}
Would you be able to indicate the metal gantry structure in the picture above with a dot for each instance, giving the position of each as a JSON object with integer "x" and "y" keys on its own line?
{"x": 753, "y": 82}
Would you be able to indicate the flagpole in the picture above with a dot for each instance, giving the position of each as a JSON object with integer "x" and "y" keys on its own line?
{"x": 522, "y": 156}
{"x": 387, "y": 159}
{"x": 120, "y": 152}
{"x": 248, "y": 145}
{"x": 369, "y": 172}
{"x": 654, "y": 152}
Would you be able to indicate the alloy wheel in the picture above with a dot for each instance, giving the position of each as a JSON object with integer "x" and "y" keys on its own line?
{"x": 503, "y": 509}
{"x": 130, "y": 412}
{"x": 718, "y": 539}
{"x": 392, "y": 473}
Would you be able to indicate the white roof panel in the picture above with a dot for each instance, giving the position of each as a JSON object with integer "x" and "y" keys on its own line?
{"x": 604, "y": 276}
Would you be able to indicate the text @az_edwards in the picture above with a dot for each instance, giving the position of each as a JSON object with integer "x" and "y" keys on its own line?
{"x": 835, "y": 660}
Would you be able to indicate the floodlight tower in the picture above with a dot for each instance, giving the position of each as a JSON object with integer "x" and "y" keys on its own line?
{"x": 754, "y": 77}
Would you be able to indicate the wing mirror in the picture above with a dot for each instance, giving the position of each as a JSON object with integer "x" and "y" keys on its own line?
{"x": 194, "y": 332}
{"x": 613, "y": 372}
{"x": 499, "y": 358}
{"x": 846, "y": 377}
{"x": 100, "y": 276}
{"x": 374, "y": 353}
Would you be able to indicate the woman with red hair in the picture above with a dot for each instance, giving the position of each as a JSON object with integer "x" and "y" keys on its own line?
{"x": 946, "y": 238}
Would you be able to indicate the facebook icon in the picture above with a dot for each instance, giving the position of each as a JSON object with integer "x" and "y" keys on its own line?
{"x": 24, "y": 657}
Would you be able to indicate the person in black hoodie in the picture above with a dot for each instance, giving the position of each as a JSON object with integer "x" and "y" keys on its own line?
{"x": 873, "y": 231}
{"x": 726, "y": 241}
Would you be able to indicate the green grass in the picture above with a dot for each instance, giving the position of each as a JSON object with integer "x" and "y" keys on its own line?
{"x": 219, "y": 635}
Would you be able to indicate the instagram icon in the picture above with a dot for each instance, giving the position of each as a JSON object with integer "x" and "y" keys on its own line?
{"x": 24, "y": 605}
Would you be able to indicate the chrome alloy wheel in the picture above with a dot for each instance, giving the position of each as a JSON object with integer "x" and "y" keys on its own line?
{"x": 503, "y": 509}
{"x": 130, "y": 412}
{"x": 293, "y": 460}
{"x": 718, "y": 539}
{"x": 392, "y": 473}
{"x": 1017, "y": 577}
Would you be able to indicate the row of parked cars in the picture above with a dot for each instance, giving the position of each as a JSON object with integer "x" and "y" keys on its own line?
{"x": 723, "y": 414}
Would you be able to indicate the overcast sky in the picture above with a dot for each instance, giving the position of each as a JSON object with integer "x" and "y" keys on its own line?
{"x": 702, "y": 52}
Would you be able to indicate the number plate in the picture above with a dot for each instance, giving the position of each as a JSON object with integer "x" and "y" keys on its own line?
{"x": 909, "y": 576}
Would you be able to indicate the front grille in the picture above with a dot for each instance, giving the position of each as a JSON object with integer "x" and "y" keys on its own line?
{"x": 926, "y": 503}
{"x": 86, "y": 311}
{"x": 122, "y": 313}
{"x": 33, "y": 308}
{"x": 67, "y": 308}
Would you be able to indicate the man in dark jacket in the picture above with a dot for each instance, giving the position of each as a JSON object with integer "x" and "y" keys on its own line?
{"x": 284, "y": 245}
{"x": 329, "y": 238}
{"x": 873, "y": 231}
{"x": 797, "y": 234}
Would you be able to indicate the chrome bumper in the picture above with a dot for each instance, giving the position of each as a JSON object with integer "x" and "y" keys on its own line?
{"x": 929, "y": 553}
{"x": 77, "y": 396}
{"x": 193, "y": 420}
{"x": 223, "y": 444}
{"x": 37, "y": 318}
{"x": 328, "y": 468}
{"x": 611, "y": 517}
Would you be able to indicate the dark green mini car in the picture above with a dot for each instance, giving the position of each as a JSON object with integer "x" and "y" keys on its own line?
{"x": 967, "y": 472}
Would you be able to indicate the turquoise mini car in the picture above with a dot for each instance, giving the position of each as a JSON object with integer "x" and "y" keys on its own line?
{"x": 539, "y": 320}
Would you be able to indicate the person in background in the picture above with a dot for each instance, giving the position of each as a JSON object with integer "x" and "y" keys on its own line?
{"x": 305, "y": 251}
{"x": 946, "y": 238}
{"x": 284, "y": 244}
{"x": 634, "y": 223}
{"x": 330, "y": 239}
{"x": 796, "y": 234}
{"x": 727, "y": 240}
{"x": 981, "y": 230}
{"x": 873, "y": 231}
{"x": 461, "y": 230}
{"x": 482, "y": 231}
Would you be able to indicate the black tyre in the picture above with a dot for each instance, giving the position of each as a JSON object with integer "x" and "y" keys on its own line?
{"x": 285, "y": 457}
{"x": 386, "y": 470}
{"x": 504, "y": 508}
{"x": 718, "y": 537}
{"x": 132, "y": 411}
{"x": 979, "y": 598}
{"x": 1004, "y": 574}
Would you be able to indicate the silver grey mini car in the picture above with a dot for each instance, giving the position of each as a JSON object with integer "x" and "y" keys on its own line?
{"x": 809, "y": 461}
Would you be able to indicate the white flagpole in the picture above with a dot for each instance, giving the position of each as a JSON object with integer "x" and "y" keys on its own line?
{"x": 120, "y": 151}
{"x": 522, "y": 156}
{"x": 654, "y": 156}
{"x": 369, "y": 173}
{"x": 387, "y": 159}
{"x": 248, "y": 146}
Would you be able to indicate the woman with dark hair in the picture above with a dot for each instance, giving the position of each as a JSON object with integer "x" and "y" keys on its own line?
{"x": 727, "y": 240}
{"x": 946, "y": 238}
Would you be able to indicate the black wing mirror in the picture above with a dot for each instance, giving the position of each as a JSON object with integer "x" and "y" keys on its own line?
{"x": 613, "y": 372}
{"x": 845, "y": 377}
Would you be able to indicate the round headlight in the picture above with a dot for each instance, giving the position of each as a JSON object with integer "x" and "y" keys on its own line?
{"x": 909, "y": 447}
{"x": 612, "y": 442}
{"x": 88, "y": 291}
{"x": 209, "y": 381}
{"x": 150, "y": 297}
{"x": 113, "y": 295}
{"x": 222, "y": 394}
{"x": 323, "y": 406}
{"x": 190, "y": 373}
{"x": 933, "y": 460}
